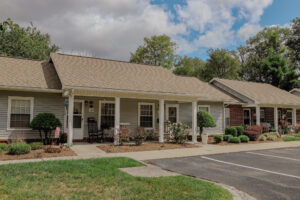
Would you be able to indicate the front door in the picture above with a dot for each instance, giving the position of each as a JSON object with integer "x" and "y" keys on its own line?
{"x": 172, "y": 113}
{"x": 247, "y": 117}
{"x": 78, "y": 120}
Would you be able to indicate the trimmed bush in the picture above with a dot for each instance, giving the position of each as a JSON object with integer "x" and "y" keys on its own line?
{"x": 234, "y": 140}
{"x": 18, "y": 149}
{"x": 36, "y": 145}
{"x": 271, "y": 137}
{"x": 205, "y": 120}
{"x": 276, "y": 134}
{"x": 239, "y": 129}
{"x": 244, "y": 138}
{"x": 253, "y": 136}
{"x": 230, "y": 130}
{"x": 218, "y": 138}
{"x": 3, "y": 147}
{"x": 227, "y": 137}
{"x": 290, "y": 138}
{"x": 262, "y": 138}
{"x": 296, "y": 135}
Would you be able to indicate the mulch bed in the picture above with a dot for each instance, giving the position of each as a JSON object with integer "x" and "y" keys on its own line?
{"x": 143, "y": 147}
{"x": 40, "y": 153}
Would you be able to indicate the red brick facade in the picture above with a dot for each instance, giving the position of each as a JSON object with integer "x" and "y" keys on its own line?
{"x": 236, "y": 115}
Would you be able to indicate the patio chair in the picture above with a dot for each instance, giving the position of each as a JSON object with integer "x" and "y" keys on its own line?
{"x": 93, "y": 131}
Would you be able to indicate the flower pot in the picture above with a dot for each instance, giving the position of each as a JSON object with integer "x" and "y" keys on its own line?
{"x": 204, "y": 138}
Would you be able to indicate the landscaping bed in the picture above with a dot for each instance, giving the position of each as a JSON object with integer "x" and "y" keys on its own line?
{"x": 98, "y": 179}
{"x": 143, "y": 147}
{"x": 212, "y": 141}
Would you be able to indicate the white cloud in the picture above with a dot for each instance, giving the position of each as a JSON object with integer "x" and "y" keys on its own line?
{"x": 113, "y": 29}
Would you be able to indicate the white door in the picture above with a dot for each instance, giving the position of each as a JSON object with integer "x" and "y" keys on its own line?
{"x": 172, "y": 113}
{"x": 78, "y": 120}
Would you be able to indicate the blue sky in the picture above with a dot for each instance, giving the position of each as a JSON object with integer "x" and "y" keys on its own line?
{"x": 114, "y": 28}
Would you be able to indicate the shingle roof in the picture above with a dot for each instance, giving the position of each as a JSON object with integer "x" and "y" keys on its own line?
{"x": 78, "y": 71}
{"x": 25, "y": 73}
{"x": 261, "y": 93}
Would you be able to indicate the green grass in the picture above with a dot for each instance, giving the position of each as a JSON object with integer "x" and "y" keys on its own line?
{"x": 296, "y": 135}
{"x": 97, "y": 179}
{"x": 291, "y": 138}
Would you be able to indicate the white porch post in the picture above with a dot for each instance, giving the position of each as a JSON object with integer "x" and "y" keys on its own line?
{"x": 117, "y": 121}
{"x": 294, "y": 117}
{"x": 257, "y": 115}
{"x": 161, "y": 120}
{"x": 276, "y": 118}
{"x": 194, "y": 121}
{"x": 70, "y": 118}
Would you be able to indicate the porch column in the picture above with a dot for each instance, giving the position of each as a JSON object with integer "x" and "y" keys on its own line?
{"x": 161, "y": 120}
{"x": 117, "y": 121}
{"x": 276, "y": 118}
{"x": 294, "y": 117}
{"x": 257, "y": 115}
{"x": 194, "y": 121}
{"x": 70, "y": 118}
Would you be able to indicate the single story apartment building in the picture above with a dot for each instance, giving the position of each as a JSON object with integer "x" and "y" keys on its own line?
{"x": 115, "y": 93}
{"x": 259, "y": 103}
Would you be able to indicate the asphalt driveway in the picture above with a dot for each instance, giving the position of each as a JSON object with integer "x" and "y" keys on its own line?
{"x": 268, "y": 174}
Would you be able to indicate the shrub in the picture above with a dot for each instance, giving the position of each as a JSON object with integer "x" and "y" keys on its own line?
{"x": 45, "y": 122}
{"x": 178, "y": 131}
{"x": 227, "y": 137}
{"x": 230, "y": 130}
{"x": 3, "y": 147}
{"x": 244, "y": 138}
{"x": 262, "y": 138}
{"x": 1, "y": 151}
{"x": 276, "y": 134}
{"x": 218, "y": 138}
{"x": 36, "y": 145}
{"x": 290, "y": 138}
{"x": 239, "y": 129}
{"x": 295, "y": 135}
{"x": 63, "y": 137}
{"x": 234, "y": 140}
{"x": 51, "y": 149}
{"x": 205, "y": 120}
{"x": 19, "y": 148}
{"x": 253, "y": 136}
{"x": 271, "y": 137}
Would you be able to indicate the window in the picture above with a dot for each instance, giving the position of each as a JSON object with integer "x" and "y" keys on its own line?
{"x": 289, "y": 116}
{"x": 172, "y": 112}
{"x": 262, "y": 115}
{"x": 146, "y": 115}
{"x": 20, "y": 112}
{"x": 107, "y": 115}
{"x": 204, "y": 108}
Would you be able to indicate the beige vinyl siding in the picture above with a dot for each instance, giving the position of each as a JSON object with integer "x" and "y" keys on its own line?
{"x": 43, "y": 102}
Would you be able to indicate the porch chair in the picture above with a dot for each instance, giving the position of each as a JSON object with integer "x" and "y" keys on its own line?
{"x": 93, "y": 131}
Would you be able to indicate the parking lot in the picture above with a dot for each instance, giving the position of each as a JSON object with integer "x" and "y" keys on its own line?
{"x": 268, "y": 174}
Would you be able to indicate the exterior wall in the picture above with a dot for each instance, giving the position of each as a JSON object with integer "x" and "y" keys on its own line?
{"x": 43, "y": 102}
{"x": 236, "y": 115}
{"x": 269, "y": 114}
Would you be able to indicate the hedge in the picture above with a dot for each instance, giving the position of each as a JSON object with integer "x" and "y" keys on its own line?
{"x": 244, "y": 138}
{"x": 227, "y": 137}
{"x": 231, "y": 130}
{"x": 234, "y": 140}
{"x": 18, "y": 149}
{"x": 218, "y": 138}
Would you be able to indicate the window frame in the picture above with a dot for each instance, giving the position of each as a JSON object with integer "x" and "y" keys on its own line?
{"x": 260, "y": 115}
{"x": 100, "y": 111}
{"x": 205, "y": 106}
{"x": 153, "y": 114}
{"x": 167, "y": 111}
{"x": 10, "y": 98}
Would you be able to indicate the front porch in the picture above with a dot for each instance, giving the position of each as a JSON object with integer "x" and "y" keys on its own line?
{"x": 113, "y": 112}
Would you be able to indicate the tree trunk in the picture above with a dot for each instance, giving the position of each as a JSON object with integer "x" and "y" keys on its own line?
{"x": 201, "y": 130}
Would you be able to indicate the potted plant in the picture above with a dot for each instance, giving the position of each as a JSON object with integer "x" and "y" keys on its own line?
{"x": 140, "y": 136}
{"x": 204, "y": 120}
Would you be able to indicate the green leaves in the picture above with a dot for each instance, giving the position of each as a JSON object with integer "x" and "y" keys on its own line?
{"x": 26, "y": 42}
{"x": 45, "y": 121}
{"x": 205, "y": 120}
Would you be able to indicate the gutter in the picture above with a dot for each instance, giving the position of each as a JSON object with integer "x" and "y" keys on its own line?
{"x": 30, "y": 89}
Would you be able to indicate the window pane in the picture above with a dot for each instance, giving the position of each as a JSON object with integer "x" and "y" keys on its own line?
{"x": 77, "y": 107}
{"x": 19, "y": 120}
{"x": 107, "y": 115}
{"x": 20, "y": 113}
{"x": 203, "y": 108}
{"x": 146, "y": 116}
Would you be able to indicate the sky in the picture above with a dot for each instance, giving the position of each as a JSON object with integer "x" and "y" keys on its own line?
{"x": 113, "y": 28}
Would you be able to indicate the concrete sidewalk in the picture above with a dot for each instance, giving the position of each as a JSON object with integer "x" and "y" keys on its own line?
{"x": 85, "y": 151}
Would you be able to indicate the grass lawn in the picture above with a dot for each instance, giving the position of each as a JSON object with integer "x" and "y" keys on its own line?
{"x": 97, "y": 179}
{"x": 291, "y": 138}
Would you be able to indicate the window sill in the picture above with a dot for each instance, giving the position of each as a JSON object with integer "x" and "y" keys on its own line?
{"x": 19, "y": 129}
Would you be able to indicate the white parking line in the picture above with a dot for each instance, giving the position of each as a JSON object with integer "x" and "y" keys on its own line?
{"x": 268, "y": 155}
{"x": 248, "y": 167}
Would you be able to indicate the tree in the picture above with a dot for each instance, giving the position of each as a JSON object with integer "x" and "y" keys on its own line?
{"x": 205, "y": 120}
{"x": 23, "y": 42}
{"x": 157, "y": 50}
{"x": 188, "y": 66}
{"x": 45, "y": 123}
{"x": 278, "y": 72}
{"x": 222, "y": 64}
{"x": 293, "y": 42}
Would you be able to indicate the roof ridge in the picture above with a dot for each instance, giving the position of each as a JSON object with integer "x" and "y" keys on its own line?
{"x": 21, "y": 58}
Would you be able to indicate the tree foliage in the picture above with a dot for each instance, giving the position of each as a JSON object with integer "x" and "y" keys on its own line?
{"x": 205, "y": 120}
{"x": 189, "y": 66}
{"x": 26, "y": 42}
{"x": 293, "y": 42}
{"x": 222, "y": 64}
{"x": 157, "y": 50}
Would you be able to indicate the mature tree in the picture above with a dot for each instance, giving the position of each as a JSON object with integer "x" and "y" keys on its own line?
{"x": 189, "y": 66}
{"x": 222, "y": 64}
{"x": 293, "y": 42}
{"x": 26, "y": 42}
{"x": 269, "y": 41}
{"x": 157, "y": 50}
{"x": 278, "y": 72}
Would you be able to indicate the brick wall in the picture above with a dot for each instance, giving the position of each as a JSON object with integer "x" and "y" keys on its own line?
{"x": 298, "y": 116}
{"x": 236, "y": 115}
{"x": 269, "y": 114}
